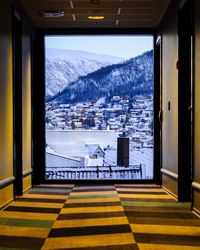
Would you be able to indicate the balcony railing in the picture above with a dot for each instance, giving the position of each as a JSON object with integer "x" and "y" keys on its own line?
{"x": 96, "y": 172}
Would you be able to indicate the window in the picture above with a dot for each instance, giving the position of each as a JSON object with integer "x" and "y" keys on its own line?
{"x": 99, "y": 107}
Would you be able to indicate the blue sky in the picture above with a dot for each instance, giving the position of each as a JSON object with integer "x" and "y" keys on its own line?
{"x": 125, "y": 46}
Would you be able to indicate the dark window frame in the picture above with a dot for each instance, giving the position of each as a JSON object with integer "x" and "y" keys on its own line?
{"x": 39, "y": 104}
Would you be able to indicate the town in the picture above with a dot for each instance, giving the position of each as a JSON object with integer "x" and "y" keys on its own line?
{"x": 122, "y": 114}
{"x": 119, "y": 116}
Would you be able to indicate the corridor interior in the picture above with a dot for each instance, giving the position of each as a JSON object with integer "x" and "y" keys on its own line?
{"x": 100, "y": 217}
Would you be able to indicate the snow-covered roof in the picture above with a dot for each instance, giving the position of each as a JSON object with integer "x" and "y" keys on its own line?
{"x": 93, "y": 148}
{"x": 56, "y": 160}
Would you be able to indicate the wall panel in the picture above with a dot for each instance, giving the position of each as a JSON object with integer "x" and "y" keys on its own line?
{"x": 196, "y": 179}
{"x": 169, "y": 32}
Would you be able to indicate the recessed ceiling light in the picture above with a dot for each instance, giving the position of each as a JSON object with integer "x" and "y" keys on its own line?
{"x": 96, "y": 17}
{"x": 52, "y": 13}
{"x": 95, "y": 1}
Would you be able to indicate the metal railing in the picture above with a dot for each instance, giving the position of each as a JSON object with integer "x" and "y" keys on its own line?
{"x": 96, "y": 172}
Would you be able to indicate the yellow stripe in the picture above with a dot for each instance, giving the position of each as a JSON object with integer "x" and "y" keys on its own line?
{"x": 24, "y": 231}
{"x": 35, "y": 204}
{"x": 160, "y": 229}
{"x": 92, "y": 200}
{"x": 91, "y": 209}
{"x": 149, "y": 196}
{"x": 21, "y": 215}
{"x": 46, "y": 196}
{"x": 89, "y": 241}
{"x": 91, "y": 222}
{"x": 166, "y": 247}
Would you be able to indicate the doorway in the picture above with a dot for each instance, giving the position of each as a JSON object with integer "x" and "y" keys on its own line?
{"x": 17, "y": 103}
{"x": 185, "y": 27}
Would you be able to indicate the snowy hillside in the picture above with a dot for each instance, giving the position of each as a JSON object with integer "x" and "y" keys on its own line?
{"x": 134, "y": 76}
{"x": 65, "y": 66}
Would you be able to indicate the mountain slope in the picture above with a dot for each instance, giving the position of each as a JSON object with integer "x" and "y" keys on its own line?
{"x": 134, "y": 76}
{"x": 65, "y": 66}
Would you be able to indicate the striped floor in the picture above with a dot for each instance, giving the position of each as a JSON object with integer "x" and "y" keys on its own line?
{"x": 113, "y": 217}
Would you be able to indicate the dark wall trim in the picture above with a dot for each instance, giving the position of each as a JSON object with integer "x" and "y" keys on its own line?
{"x": 39, "y": 104}
{"x": 185, "y": 31}
{"x": 98, "y": 31}
{"x": 17, "y": 101}
{"x": 38, "y": 124}
{"x": 157, "y": 107}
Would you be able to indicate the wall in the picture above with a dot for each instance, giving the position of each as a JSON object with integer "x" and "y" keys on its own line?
{"x": 196, "y": 177}
{"x": 6, "y": 103}
{"x": 26, "y": 106}
{"x": 168, "y": 29}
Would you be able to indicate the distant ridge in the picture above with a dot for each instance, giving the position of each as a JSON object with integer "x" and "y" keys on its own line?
{"x": 64, "y": 66}
{"x": 134, "y": 76}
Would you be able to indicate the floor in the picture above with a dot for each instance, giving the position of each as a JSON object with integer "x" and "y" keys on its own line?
{"x": 113, "y": 217}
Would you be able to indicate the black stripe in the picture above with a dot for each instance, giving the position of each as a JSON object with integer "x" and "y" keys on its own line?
{"x": 146, "y": 199}
{"x": 141, "y": 192}
{"x": 160, "y": 215}
{"x": 167, "y": 239}
{"x": 40, "y": 200}
{"x": 158, "y": 209}
{"x": 93, "y": 190}
{"x": 33, "y": 209}
{"x": 92, "y": 204}
{"x": 64, "y": 192}
{"x": 89, "y": 215}
{"x": 138, "y": 187}
{"x": 21, "y": 242}
{"x": 114, "y": 247}
{"x": 53, "y": 187}
{"x": 164, "y": 221}
{"x": 93, "y": 230}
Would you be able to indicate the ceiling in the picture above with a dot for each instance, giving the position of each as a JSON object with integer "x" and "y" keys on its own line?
{"x": 117, "y": 13}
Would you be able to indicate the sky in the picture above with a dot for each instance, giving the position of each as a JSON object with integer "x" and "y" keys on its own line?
{"x": 124, "y": 46}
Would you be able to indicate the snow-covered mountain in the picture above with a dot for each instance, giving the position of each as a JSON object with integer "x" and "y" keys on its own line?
{"x": 134, "y": 76}
{"x": 64, "y": 66}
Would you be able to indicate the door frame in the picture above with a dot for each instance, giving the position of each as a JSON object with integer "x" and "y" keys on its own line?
{"x": 39, "y": 108}
{"x": 17, "y": 102}
{"x": 185, "y": 101}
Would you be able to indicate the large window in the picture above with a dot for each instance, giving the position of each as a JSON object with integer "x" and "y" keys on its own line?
{"x": 99, "y": 107}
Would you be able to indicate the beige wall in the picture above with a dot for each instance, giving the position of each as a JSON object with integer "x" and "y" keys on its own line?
{"x": 6, "y": 102}
{"x": 170, "y": 94}
{"x": 196, "y": 180}
{"x": 26, "y": 104}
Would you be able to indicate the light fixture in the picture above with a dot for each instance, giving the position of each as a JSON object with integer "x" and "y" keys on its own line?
{"x": 96, "y": 17}
{"x": 95, "y": 1}
{"x": 52, "y": 13}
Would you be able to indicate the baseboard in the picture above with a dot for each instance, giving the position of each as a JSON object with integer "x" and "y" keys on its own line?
{"x": 6, "y": 204}
{"x": 170, "y": 193}
{"x": 196, "y": 211}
